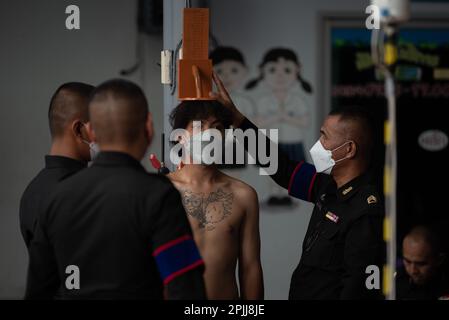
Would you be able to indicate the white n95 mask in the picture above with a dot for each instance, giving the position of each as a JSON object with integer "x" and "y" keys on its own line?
{"x": 193, "y": 146}
{"x": 322, "y": 158}
{"x": 94, "y": 149}
{"x": 200, "y": 147}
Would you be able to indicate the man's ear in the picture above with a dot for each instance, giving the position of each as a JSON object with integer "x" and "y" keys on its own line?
{"x": 76, "y": 127}
{"x": 150, "y": 128}
{"x": 90, "y": 132}
{"x": 351, "y": 149}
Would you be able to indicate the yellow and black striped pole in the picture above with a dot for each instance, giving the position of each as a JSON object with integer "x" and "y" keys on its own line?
{"x": 390, "y": 169}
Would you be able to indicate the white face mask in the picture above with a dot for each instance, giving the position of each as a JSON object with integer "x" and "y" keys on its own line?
{"x": 204, "y": 140}
{"x": 94, "y": 149}
{"x": 193, "y": 146}
{"x": 322, "y": 158}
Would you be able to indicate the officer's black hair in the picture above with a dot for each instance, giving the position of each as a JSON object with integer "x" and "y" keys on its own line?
{"x": 220, "y": 54}
{"x": 350, "y": 111}
{"x": 64, "y": 108}
{"x": 362, "y": 117}
{"x": 274, "y": 55}
{"x": 123, "y": 118}
{"x": 197, "y": 110}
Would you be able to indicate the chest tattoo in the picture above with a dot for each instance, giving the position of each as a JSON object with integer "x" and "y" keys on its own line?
{"x": 210, "y": 208}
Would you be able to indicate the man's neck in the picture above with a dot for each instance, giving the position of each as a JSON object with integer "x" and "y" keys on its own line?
{"x": 343, "y": 176}
{"x": 62, "y": 149}
{"x": 133, "y": 151}
{"x": 199, "y": 174}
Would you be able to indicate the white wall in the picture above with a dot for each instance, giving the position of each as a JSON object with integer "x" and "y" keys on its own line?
{"x": 38, "y": 54}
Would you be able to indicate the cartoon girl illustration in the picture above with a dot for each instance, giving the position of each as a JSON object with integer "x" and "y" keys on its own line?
{"x": 279, "y": 94}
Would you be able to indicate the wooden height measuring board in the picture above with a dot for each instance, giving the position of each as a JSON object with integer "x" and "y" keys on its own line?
{"x": 195, "y": 67}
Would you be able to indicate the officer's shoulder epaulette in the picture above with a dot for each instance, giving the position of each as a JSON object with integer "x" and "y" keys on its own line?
{"x": 370, "y": 195}
{"x": 370, "y": 201}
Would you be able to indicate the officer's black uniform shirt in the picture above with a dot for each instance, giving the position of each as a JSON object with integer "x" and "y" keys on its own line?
{"x": 57, "y": 168}
{"x": 344, "y": 235}
{"x": 123, "y": 228}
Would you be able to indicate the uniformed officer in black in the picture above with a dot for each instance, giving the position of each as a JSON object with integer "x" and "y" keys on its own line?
{"x": 69, "y": 153}
{"x": 344, "y": 235}
{"x": 123, "y": 229}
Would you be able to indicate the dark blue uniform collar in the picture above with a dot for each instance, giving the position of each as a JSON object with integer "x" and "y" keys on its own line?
{"x": 349, "y": 189}
{"x": 114, "y": 159}
{"x": 52, "y": 162}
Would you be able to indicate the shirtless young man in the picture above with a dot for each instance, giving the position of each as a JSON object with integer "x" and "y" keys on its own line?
{"x": 223, "y": 212}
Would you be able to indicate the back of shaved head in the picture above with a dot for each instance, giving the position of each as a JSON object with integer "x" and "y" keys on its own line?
{"x": 69, "y": 102}
{"x": 118, "y": 112}
{"x": 423, "y": 235}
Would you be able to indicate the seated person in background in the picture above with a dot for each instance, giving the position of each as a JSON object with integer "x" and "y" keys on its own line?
{"x": 422, "y": 277}
{"x": 223, "y": 212}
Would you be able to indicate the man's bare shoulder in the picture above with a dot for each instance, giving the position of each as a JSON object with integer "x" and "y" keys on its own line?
{"x": 173, "y": 176}
{"x": 241, "y": 190}
{"x": 175, "y": 179}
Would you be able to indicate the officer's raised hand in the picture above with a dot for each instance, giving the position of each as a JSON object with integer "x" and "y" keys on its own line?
{"x": 222, "y": 96}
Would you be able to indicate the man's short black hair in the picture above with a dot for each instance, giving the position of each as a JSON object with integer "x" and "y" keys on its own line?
{"x": 197, "y": 110}
{"x": 64, "y": 106}
{"x": 119, "y": 88}
{"x": 351, "y": 112}
{"x": 118, "y": 111}
{"x": 360, "y": 117}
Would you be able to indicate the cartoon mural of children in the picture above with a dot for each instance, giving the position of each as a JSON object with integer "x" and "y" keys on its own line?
{"x": 278, "y": 93}
{"x": 230, "y": 66}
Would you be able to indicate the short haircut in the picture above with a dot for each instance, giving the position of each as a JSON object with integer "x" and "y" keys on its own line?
{"x": 360, "y": 127}
{"x": 70, "y": 101}
{"x": 221, "y": 54}
{"x": 197, "y": 110}
{"x": 118, "y": 111}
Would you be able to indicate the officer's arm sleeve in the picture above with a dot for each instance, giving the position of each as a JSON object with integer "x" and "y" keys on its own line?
{"x": 177, "y": 257}
{"x": 299, "y": 178}
{"x": 42, "y": 279}
{"x": 364, "y": 248}
{"x": 24, "y": 221}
